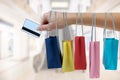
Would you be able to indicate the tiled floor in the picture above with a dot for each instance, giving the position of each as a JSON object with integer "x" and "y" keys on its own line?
{"x": 17, "y": 70}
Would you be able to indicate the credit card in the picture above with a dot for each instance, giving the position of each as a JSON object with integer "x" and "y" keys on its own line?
{"x": 30, "y": 27}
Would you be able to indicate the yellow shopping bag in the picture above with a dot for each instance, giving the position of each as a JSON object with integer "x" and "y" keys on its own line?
{"x": 68, "y": 63}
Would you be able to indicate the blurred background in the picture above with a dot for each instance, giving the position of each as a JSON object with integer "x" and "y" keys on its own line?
{"x": 17, "y": 48}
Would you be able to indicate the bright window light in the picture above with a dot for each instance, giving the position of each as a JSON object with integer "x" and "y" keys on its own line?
{"x": 59, "y": 4}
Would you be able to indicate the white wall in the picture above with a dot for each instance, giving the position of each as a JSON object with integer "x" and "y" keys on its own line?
{"x": 13, "y": 14}
{"x": 20, "y": 45}
{"x": 34, "y": 4}
{"x": 5, "y": 36}
{"x": 0, "y": 44}
{"x": 73, "y": 6}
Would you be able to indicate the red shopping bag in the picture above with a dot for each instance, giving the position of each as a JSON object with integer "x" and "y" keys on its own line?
{"x": 80, "y": 53}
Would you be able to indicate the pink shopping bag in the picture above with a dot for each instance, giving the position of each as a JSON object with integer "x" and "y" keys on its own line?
{"x": 94, "y": 55}
{"x": 94, "y": 59}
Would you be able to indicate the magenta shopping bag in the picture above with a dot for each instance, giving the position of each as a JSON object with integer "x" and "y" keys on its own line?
{"x": 94, "y": 54}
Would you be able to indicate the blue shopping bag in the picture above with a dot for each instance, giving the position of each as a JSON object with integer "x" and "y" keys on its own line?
{"x": 110, "y": 52}
{"x": 54, "y": 57}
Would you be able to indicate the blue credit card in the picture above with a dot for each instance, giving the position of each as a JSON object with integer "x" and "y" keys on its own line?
{"x": 31, "y": 27}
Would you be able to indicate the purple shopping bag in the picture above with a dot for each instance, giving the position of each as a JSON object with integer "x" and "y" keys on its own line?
{"x": 94, "y": 54}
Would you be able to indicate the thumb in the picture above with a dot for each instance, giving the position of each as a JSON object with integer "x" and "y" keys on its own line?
{"x": 46, "y": 27}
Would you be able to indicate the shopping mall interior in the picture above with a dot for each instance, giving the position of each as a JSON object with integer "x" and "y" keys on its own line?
{"x": 18, "y": 49}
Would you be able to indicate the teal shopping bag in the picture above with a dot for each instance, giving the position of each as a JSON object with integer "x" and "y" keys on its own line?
{"x": 110, "y": 52}
{"x": 110, "y": 58}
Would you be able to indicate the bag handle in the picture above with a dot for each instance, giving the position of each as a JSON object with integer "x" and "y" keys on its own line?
{"x": 104, "y": 32}
{"x": 76, "y": 23}
{"x": 81, "y": 21}
{"x": 55, "y": 18}
{"x": 66, "y": 18}
{"x": 93, "y": 26}
{"x": 56, "y": 24}
{"x": 65, "y": 24}
{"x": 48, "y": 32}
{"x": 113, "y": 24}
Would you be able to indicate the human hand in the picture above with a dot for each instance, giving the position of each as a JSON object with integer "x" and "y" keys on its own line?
{"x": 50, "y": 24}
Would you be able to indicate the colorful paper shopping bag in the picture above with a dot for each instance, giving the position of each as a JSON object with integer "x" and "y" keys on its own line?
{"x": 53, "y": 53}
{"x": 94, "y": 53}
{"x": 54, "y": 59}
{"x": 68, "y": 62}
{"x": 110, "y": 51}
{"x": 110, "y": 56}
{"x": 80, "y": 53}
{"x": 94, "y": 59}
